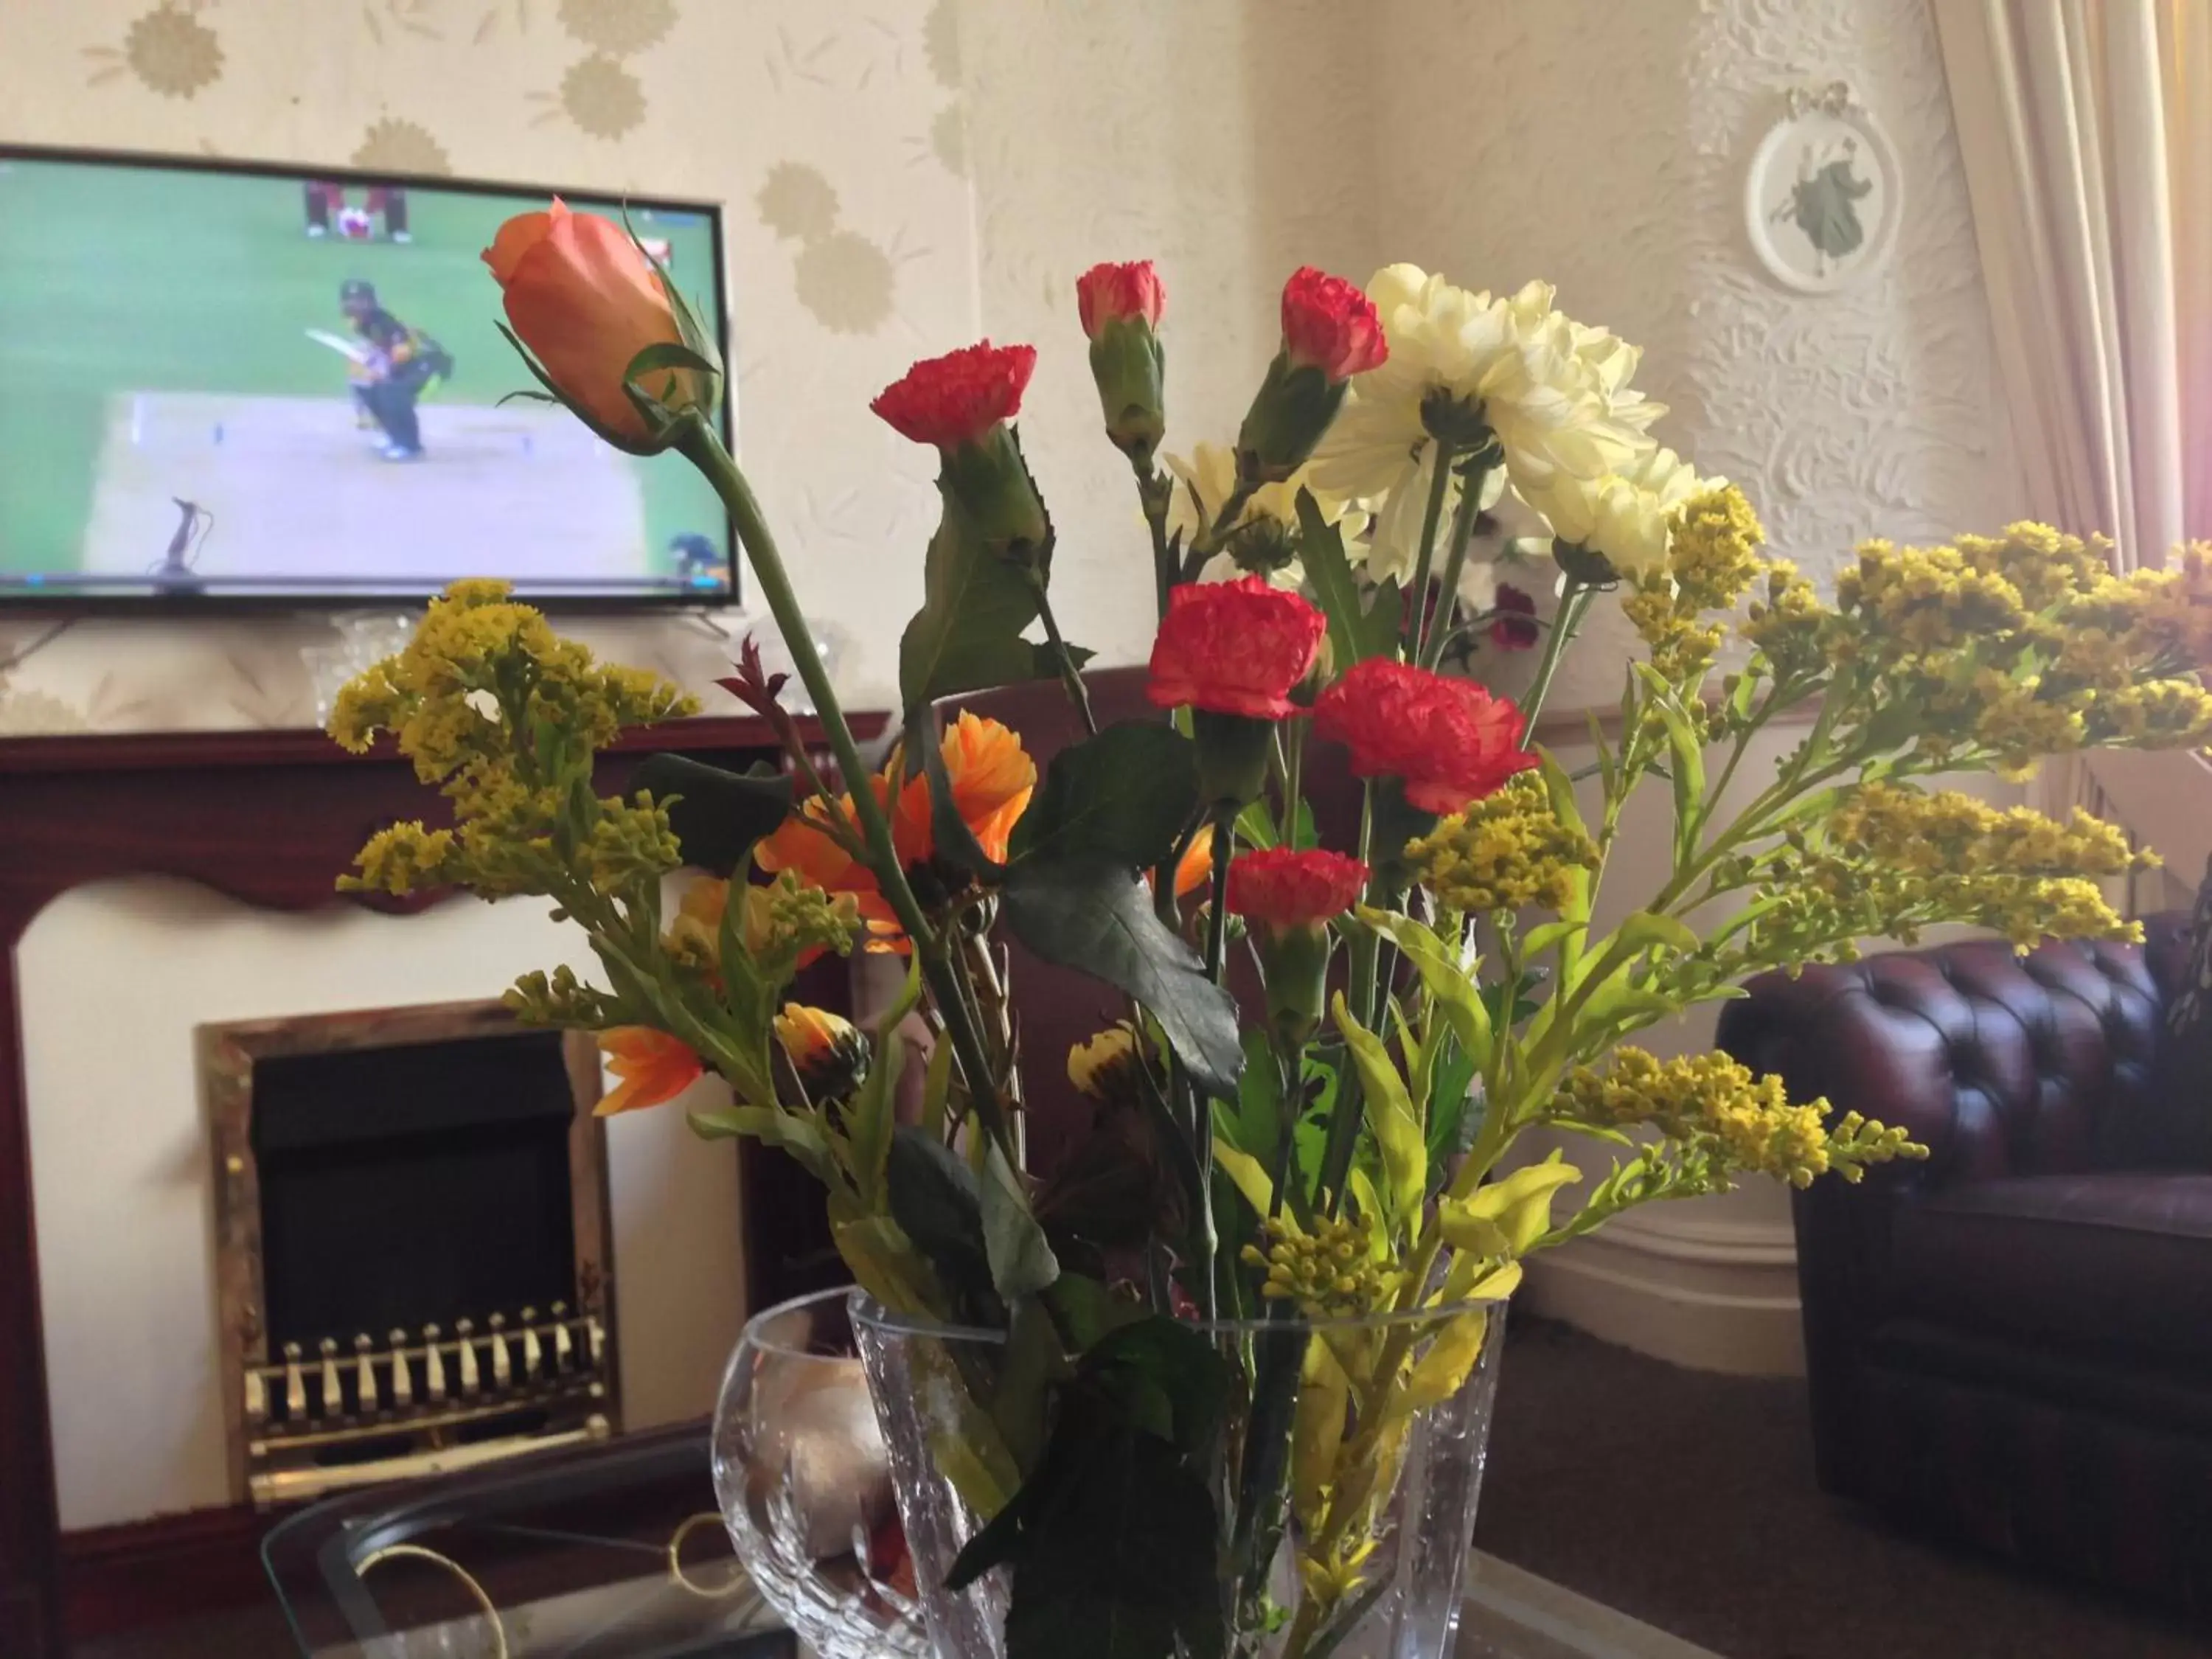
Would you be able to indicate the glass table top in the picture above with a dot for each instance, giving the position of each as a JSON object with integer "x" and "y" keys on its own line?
{"x": 616, "y": 1552}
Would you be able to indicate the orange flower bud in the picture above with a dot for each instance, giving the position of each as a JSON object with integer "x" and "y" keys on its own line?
{"x": 586, "y": 300}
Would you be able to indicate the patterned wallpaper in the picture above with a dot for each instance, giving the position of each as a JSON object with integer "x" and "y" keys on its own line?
{"x": 904, "y": 174}
{"x": 831, "y": 132}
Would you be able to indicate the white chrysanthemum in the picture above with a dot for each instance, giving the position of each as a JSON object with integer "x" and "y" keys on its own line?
{"x": 1395, "y": 547}
{"x": 1555, "y": 392}
{"x": 1205, "y": 482}
{"x": 1623, "y": 514}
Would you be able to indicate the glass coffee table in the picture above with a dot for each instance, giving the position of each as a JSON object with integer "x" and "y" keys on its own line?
{"x": 616, "y": 1552}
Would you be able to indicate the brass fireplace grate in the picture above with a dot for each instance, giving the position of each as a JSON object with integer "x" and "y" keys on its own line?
{"x": 315, "y": 1406}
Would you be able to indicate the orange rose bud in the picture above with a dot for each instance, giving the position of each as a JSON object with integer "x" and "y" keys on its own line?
{"x": 1449, "y": 741}
{"x": 650, "y": 1068}
{"x": 583, "y": 297}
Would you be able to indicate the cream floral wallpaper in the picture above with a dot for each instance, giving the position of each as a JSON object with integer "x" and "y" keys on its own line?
{"x": 902, "y": 175}
{"x": 831, "y": 132}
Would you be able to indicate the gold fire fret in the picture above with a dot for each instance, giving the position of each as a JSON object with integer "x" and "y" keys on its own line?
{"x": 311, "y": 1446}
{"x": 347, "y": 1409}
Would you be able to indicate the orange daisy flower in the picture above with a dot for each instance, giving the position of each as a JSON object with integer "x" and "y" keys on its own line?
{"x": 650, "y": 1068}
{"x": 992, "y": 777}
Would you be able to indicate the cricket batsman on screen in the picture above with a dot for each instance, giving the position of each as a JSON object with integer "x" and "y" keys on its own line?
{"x": 393, "y": 366}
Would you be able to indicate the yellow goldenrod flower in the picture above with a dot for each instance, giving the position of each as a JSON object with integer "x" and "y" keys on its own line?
{"x": 1507, "y": 851}
{"x": 1713, "y": 1101}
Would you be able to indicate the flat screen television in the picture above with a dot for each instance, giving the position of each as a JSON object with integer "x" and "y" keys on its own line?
{"x": 224, "y": 386}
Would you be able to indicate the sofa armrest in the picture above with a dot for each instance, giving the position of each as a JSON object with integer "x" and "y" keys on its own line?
{"x": 1999, "y": 1064}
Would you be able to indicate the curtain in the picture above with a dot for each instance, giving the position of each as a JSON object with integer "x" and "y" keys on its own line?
{"x": 2086, "y": 129}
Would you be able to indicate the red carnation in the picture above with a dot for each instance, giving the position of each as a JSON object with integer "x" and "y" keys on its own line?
{"x": 1513, "y": 619}
{"x": 1109, "y": 292}
{"x": 1280, "y": 888}
{"x": 1449, "y": 740}
{"x": 1234, "y": 647}
{"x": 1329, "y": 324}
{"x": 958, "y": 397}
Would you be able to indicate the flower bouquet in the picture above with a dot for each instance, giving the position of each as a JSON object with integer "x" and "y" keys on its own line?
{"x": 1233, "y": 1401}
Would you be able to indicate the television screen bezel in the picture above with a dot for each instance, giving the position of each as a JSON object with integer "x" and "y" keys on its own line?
{"x": 172, "y": 605}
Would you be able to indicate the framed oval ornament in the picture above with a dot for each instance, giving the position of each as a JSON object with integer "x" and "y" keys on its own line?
{"x": 1822, "y": 199}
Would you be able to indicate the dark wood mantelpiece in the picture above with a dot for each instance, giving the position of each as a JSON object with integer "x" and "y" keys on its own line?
{"x": 269, "y": 817}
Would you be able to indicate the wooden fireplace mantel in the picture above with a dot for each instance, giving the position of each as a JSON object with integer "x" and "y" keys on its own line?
{"x": 268, "y": 818}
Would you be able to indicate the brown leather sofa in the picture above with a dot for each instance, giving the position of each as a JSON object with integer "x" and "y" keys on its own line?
{"x": 2010, "y": 1344}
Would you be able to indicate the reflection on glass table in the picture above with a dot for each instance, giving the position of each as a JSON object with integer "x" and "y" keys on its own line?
{"x": 614, "y": 1550}
{"x": 617, "y": 1551}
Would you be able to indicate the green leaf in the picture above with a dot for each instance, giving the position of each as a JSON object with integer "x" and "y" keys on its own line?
{"x": 1390, "y": 1116}
{"x": 1022, "y": 1262}
{"x": 1118, "y": 1557}
{"x": 938, "y": 1203}
{"x": 1356, "y": 630}
{"x": 1252, "y": 1182}
{"x": 1093, "y": 914}
{"x": 1518, "y": 1205}
{"x": 1167, "y": 1377}
{"x": 870, "y": 1115}
{"x": 1644, "y": 928}
{"x": 967, "y": 634}
{"x": 1450, "y": 987}
{"x": 1449, "y": 1124}
{"x": 1441, "y": 1373}
{"x": 717, "y": 815}
{"x": 1126, "y": 794}
{"x": 800, "y": 1136}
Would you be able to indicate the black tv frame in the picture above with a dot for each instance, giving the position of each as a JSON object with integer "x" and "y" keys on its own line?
{"x": 175, "y": 605}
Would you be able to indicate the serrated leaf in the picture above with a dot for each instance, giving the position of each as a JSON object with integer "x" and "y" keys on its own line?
{"x": 967, "y": 634}
{"x": 716, "y": 815}
{"x": 1095, "y": 915}
{"x": 1126, "y": 794}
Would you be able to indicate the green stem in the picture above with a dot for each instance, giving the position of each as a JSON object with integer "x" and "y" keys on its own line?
{"x": 1573, "y": 601}
{"x": 1417, "y": 616}
{"x": 1156, "y": 491}
{"x": 1070, "y": 675}
{"x": 1430, "y": 651}
{"x": 700, "y": 444}
{"x": 1217, "y": 943}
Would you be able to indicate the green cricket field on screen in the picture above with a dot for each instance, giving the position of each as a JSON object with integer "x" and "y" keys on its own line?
{"x": 219, "y": 385}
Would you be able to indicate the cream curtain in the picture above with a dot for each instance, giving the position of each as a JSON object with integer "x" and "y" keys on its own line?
{"x": 2085, "y": 128}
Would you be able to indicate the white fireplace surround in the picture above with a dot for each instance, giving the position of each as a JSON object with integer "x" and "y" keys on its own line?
{"x": 114, "y": 977}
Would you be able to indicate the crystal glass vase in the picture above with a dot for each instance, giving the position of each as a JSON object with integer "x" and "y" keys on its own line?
{"x": 1374, "y": 1508}
{"x": 803, "y": 1477}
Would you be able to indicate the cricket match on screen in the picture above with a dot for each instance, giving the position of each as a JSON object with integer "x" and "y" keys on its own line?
{"x": 226, "y": 384}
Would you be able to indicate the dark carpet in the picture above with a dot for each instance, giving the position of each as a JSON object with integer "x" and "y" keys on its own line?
{"x": 1686, "y": 1499}
{"x": 1682, "y": 1497}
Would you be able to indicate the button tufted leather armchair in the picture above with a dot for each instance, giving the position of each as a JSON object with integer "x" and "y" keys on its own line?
{"x": 2010, "y": 1344}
